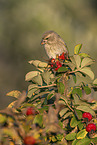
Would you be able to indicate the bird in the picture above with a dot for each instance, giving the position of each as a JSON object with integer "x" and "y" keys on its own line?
{"x": 54, "y": 44}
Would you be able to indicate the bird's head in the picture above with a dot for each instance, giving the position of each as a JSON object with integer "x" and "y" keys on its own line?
{"x": 49, "y": 37}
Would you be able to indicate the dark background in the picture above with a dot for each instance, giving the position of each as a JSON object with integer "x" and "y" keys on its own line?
{"x": 22, "y": 23}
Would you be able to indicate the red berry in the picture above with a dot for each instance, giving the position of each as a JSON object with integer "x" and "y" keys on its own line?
{"x": 52, "y": 61}
{"x": 62, "y": 56}
{"x": 87, "y": 115}
{"x": 52, "y": 65}
{"x": 30, "y": 111}
{"x": 58, "y": 64}
{"x": 29, "y": 140}
{"x": 90, "y": 127}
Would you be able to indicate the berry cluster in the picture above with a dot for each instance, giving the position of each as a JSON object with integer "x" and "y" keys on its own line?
{"x": 57, "y": 63}
{"x": 91, "y": 127}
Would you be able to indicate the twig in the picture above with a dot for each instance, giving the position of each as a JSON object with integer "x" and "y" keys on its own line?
{"x": 47, "y": 86}
{"x": 68, "y": 105}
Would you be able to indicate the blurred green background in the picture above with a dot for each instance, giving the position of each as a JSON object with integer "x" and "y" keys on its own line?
{"x": 22, "y": 23}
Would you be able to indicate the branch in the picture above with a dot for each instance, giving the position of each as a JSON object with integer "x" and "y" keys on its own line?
{"x": 47, "y": 86}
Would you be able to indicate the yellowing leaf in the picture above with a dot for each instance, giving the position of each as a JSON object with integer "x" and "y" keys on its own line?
{"x": 77, "y": 48}
{"x": 81, "y": 134}
{"x": 2, "y": 118}
{"x": 30, "y": 75}
{"x": 14, "y": 93}
{"x": 11, "y": 143}
{"x": 11, "y": 132}
{"x": 11, "y": 105}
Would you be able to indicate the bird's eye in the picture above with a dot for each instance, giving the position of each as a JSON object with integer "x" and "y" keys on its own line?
{"x": 47, "y": 38}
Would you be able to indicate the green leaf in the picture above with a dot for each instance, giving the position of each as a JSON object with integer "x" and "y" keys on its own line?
{"x": 74, "y": 142}
{"x": 87, "y": 90}
{"x": 86, "y": 61}
{"x": 32, "y": 86}
{"x": 80, "y": 125}
{"x": 34, "y": 62}
{"x": 38, "y": 119}
{"x": 94, "y": 140}
{"x": 95, "y": 81}
{"x": 84, "y": 55}
{"x": 74, "y": 78}
{"x": 77, "y": 100}
{"x": 81, "y": 134}
{"x": 67, "y": 115}
{"x": 46, "y": 77}
{"x": 49, "y": 96}
{"x": 42, "y": 64}
{"x": 86, "y": 109}
{"x": 60, "y": 136}
{"x": 30, "y": 75}
{"x": 77, "y": 91}
{"x": 77, "y": 60}
{"x": 73, "y": 60}
{"x": 37, "y": 79}
{"x": 31, "y": 92}
{"x": 61, "y": 87}
{"x": 88, "y": 72}
{"x": 63, "y": 100}
{"x": 70, "y": 136}
{"x": 78, "y": 114}
{"x": 38, "y": 63}
{"x": 71, "y": 65}
{"x": 77, "y": 48}
{"x": 63, "y": 111}
{"x": 74, "y": 122}
{"x": 62, "y": 69}
{"x": 84, "y": 141}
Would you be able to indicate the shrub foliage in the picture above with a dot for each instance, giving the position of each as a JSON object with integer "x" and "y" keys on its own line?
{"x": 56, "y": 104}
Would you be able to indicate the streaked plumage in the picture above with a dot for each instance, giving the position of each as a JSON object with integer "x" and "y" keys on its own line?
{"x": 54, "y": 44}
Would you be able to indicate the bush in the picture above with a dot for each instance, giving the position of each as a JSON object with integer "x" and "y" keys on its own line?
{"x": 53, "y": 111}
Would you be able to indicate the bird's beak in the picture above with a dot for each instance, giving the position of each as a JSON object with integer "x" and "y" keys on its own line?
{"x": 42, "y": 42}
